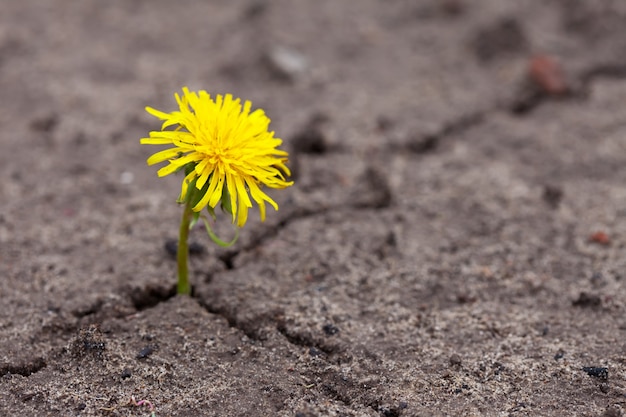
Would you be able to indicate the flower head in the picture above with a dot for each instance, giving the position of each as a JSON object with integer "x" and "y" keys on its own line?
{"x": 226, "y": 151}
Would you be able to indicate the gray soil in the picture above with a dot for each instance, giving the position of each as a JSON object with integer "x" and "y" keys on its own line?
{"x": 455, "y": 242}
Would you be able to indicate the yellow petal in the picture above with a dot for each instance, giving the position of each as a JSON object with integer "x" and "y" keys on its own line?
{"x": 163, "y": 155}
{"x": 158, "y": 113}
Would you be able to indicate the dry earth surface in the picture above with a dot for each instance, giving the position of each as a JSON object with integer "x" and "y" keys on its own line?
{"x": 455, "y": 243}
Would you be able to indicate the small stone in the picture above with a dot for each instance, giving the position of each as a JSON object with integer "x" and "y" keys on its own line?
{"x": 286, "y": 63}
{"x": 455, "y": 360}
{"x": 127, "y": 177}
{"x": 552, "y": 195}
{"x": 145, "y": 352}
{"x": 587, "y": 300}
{"x": 313, "y": 351}
{"x": 601, "y": 238}
{"x": 547, "y": 74}
{"x": 597, "y": 372}
{"x": 330, "y": 329}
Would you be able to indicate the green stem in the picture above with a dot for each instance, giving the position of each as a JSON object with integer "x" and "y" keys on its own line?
{"x": 183, "y": 251}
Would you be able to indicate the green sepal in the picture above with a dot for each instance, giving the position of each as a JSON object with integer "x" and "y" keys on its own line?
{"x": 215, "y": 238}
{"x": 226, "y": 204}
{"x": 189, "y": 167}
{"x": 194, "y": 219}
{"x": 198, "y": 194}
{"x": 194, "y": 195}
{"x": 211, "y": 212}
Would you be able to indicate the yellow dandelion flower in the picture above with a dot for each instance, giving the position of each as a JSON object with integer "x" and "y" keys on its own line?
{"x": 226, "y": 150}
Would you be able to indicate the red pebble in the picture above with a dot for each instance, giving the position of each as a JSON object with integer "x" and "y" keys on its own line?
{"x": 547, "y": 73}
{"x": 600, "y": 237}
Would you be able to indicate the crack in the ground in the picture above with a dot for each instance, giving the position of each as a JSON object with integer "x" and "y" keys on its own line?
{"x": 529, "y": 97}
{"x": 331, "y": 383}
{"x": 141, "y": 299}
{"x": 336, "y": 385}
{"x": 250, "y": 331}
{"x": 273, "y": 321}
{"x": 301, "y": 340}
{"x": 26, "y": 368}
{"x": 228, "y": 257}
{"x": 426, "y": 143}
{"x": 372, "y": 193}
{"x": 525, "y": 101}
{"x": 330, "y": 390}
{"x": 150, "y": 296}
{"x": 605, "y": 70}
{"x": 88, "y": 310}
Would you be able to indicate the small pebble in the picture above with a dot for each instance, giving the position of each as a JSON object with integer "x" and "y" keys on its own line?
{"x": 587, "y": 300}
{"x": 547, "y": 74}
{"x": 455, "y": 360}
{"x": 330, "y": 329}
{"x": 597, "y": 372}
{"x": 286, "y": 63}
{"x": 145, "y": 352}
{"x": 552, "y": 195}
{"x": 314, "y": 351}
{"x": 600, "y": 237}
{"x": 127, "y": 177}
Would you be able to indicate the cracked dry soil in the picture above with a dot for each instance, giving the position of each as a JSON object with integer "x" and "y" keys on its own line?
{"x": 455, "y": 243}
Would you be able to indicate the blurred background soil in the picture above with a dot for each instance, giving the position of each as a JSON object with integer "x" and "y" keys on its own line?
{"x": 455, "y": 243}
